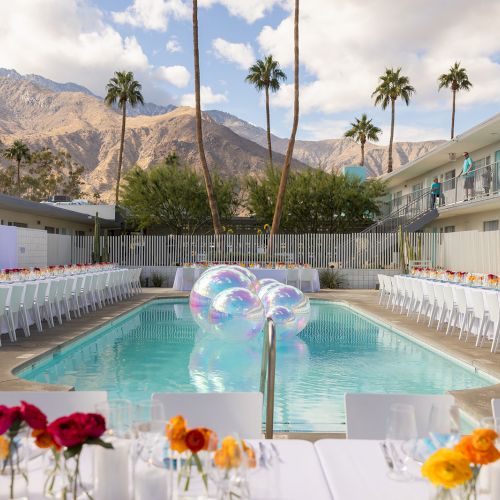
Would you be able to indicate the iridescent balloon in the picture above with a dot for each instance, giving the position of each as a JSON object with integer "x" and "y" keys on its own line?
{"x": 285, "y": 322}
{"x": 264, "y": 282}
{"x": 291, "y": 298}
{"x": 208, "y": 286}
{"x": 251, "y": 276}
{"x": 264, "y": 289}
{"x": 236, "y": 314}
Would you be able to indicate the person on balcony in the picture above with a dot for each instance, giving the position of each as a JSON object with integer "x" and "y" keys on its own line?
{"x": 468, "y": 173}
{"x": 435, "y": 192}
{"x": 487, "y": 178}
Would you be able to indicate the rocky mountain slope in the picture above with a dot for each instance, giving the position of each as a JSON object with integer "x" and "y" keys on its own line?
{"x": 90, "y": 132}
{"x": 330, "y": 154}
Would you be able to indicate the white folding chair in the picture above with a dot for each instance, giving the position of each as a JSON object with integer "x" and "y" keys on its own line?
{"x": 417, "y": 296}
{"x": 39, "y": 303}
{"x": 76, "y": 295}
{"x": 439, "y": 305}
{"x": 59, "y": 286}
{"x": 56, "y": 404}
{"x": 461, "y": 313}
{"x": 492, "y": 304}
{"x": 367, "y": 414}
{"x": 13, "y": 309}
{"x": 449, "y": 309}
{"x": 188, "y": 278}
{"x": 85, "y": 301}
{"x": 428, "y": 299}
{"x": 224, "y": 412}
{"x": 4, "y": 293}
{"x": 66, "y": 295}
{"x": 49, "y": 302}
{"x": 292, "y": 277}
{"x": 306, "y": 277}
{"x": 381, "y": 287}
{"x": 477, "y": 314}
{"x": 399, "y": 292}
{"x": 28, "y": 305}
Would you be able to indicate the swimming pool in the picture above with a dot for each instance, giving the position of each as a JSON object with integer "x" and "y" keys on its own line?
{"x": 158, "y": 347}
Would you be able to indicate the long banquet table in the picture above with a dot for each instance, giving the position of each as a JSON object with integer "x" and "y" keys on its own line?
{"x": 299, "y": 477}
{"x": 281, "y": 275}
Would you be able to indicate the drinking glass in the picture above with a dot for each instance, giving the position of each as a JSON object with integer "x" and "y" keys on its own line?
{"x": 118, "y": 415}
{"x": 401, "y": 432}
{"x": 444, "y": 426}
{"x": 147, "y": 410}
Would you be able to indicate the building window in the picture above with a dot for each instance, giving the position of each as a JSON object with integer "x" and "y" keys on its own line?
{"x": 449, "y": 180}
{"x": 50, "y": 230}
{"x": 490, "y": 225}
{"x": 18, "y": 224}
{"x": 397, "y": 199}
{"x": 449, "y": 229}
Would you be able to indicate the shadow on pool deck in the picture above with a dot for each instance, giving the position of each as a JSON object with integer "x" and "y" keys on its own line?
{"x": 476, "y": 402}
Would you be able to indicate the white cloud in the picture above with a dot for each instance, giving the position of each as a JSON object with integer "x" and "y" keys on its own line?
{"x": 323, "y": 129}
{"x": 239, "y": 53}
{"x": 207, "y": 97}
{"x": 66, "y": 40}
{"x": 152, "y": 14}
{"x": 346, "y": 45}
{"x": 173, "y": 45}
{"x": 251, "y": 11}
{"x": 412, "y": 133}
{"x": 175, "y": 75}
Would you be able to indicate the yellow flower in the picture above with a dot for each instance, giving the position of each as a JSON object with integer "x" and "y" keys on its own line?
{"x": 447, "y": 468}
{"x": 229, "y": 455}
{"x": 4, "y": 448}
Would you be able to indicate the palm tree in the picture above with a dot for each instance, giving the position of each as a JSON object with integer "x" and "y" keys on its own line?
{"x": 456, "y": 79}
{"x": 361, "y": 131}
{"x": 19, "y": 151}
{"x": 278, "y": 210}
{"x": 122, "y": 88}
{"x": 392, "y": 85}
{"x": 266, "y": 74}
{"x": 212, "y": 202}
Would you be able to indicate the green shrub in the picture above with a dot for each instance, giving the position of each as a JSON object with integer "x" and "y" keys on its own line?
{"x": 331, "y": 279}
{"x": 157, "y": 280}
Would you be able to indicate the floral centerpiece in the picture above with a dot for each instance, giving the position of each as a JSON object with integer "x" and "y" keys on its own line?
{"x": 455, "y": 471}
{"x": 491, "y": 280}
{"x": 14, "y": 422}
{"x": 189, "y": 443}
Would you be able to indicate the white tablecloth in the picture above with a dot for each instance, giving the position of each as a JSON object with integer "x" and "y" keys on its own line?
{"x": 299, "y": 477}
{"x": 356, "y": 470}
{"x": 278, "y": 274}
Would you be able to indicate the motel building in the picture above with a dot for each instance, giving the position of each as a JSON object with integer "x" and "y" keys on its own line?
{"x": 409, "y": 202}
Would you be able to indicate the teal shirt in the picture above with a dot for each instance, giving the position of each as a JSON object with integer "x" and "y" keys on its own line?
{"x": 467, "y": 166}
{"x": 436, "y": 188}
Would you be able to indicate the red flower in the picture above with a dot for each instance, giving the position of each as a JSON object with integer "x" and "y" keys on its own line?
{"x": 7, "y": 417}
{"x": 68, "y": 431}
{"x": 92, "y": 424}
{"x": 195, "y": 440}
{"x": 33, "y": 416}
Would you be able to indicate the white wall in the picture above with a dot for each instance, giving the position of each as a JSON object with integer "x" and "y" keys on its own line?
{"x": 31, "y": 247}
{"x": 58, "y": 249}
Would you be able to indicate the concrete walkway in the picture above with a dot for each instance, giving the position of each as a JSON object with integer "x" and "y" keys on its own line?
{"x": 476, "y": 402}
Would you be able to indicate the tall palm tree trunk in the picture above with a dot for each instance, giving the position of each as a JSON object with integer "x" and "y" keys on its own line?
{"x": 393, "y": 114}
{"x": 199, "y": 132}
{"x": 120, "y": 157}
{"x": 268, "y": 121}
{"x": 454, "y": 93}
{"x": 19, "y": 177}
{"x": 362, "y": 154}
{"x": 278, "y": 211}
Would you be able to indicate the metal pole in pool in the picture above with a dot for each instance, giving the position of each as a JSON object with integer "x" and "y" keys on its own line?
{"x": 271, "y": 333}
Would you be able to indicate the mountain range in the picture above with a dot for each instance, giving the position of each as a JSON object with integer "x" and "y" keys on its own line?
{"x": 68, "y": 116}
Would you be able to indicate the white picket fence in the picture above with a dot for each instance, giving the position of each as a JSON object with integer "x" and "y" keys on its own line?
{"x": 353, "y": 251}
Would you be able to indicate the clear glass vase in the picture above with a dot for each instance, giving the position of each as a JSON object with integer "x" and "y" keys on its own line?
{"x": 463, "y": 492}
{"x": 74, "y": 484}
{"x": 14, "y": 467}
{"x": 191, "y": 481}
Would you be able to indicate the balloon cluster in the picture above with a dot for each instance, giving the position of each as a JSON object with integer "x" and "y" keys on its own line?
{"x": 230, "y": 302}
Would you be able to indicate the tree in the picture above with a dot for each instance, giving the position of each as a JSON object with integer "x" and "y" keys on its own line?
{"x": 456, "y": 79}
{"x": 122, "y": 88}
{"x": 392, "y": 85}
{"x": 361, "y": 131}
{"x": 199, "y": 132}
{"x": 19, "y": 151}
{"x": 173, "y": 195}
{"x": 316, "y": 201}
{"x": 266, "y": 74}
{"x": 278, "y": 211}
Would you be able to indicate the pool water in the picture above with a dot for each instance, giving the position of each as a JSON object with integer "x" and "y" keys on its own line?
{"x": 158, "y": 347}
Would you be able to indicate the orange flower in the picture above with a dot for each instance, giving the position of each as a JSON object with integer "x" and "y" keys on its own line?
{"x": 195, "y": 440}
{"x": 251, "y": 461}
{"x": 44, "y": 439}
{"x": 479, "y": 448}
{"x": 176, "y": 433}
{"x": 229, "y": 455}
{"x": 4, "y": 448}
{"x": 211, "y": 439}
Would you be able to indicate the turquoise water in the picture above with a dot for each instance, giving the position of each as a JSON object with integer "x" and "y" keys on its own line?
{"x": 158, "y": 347}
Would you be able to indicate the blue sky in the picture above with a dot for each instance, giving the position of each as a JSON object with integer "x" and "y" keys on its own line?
{"x": 345, "y": 46}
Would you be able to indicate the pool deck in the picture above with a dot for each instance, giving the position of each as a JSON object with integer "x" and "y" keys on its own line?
{"x": 476, "y": 402}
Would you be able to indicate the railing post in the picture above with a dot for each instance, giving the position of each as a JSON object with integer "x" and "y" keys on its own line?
{"x": 271, "y": 334}
{"x": 263, "y": 366}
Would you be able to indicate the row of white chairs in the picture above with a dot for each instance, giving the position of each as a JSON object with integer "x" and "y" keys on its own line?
{"x": 23, "y": 304}
{"x": 472, "y": 310}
